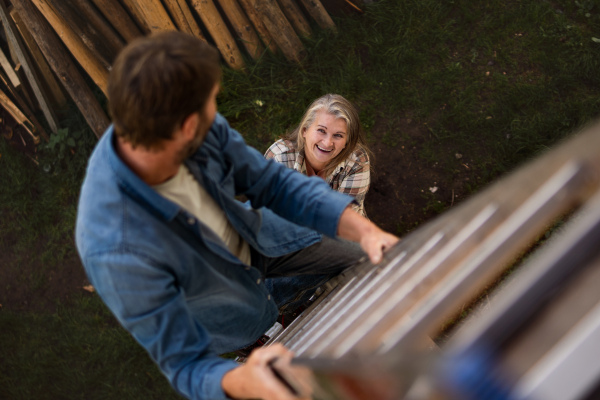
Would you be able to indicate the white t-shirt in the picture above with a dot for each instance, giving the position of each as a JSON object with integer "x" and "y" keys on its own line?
{"x": 185, "y": 190}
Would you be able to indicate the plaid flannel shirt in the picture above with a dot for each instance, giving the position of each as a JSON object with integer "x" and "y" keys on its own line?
{"x": 352, "y": 176}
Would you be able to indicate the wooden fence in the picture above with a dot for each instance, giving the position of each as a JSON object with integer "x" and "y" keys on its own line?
{"x": 48, "y": 43}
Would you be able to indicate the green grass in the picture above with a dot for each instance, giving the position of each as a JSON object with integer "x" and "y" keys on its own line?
{"x": 510, "y": 78}
{"x": 499, "y": 81}
{"x": 38, "y": 203}
{"x": 79, "y": 354}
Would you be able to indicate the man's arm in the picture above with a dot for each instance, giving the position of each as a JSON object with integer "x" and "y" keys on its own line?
{"x": 306, "y": 201}
{"x": 302, "y": 200}
{"x": 372, "y": 239}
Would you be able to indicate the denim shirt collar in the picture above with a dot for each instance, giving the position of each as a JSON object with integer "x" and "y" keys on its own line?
{"x": 133, "y": 185}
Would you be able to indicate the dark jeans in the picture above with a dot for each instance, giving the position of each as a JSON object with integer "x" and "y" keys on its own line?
{"x": 292, "y": 279}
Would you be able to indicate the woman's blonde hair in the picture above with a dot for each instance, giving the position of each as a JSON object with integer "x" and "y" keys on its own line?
{"x": 339, "y": 107}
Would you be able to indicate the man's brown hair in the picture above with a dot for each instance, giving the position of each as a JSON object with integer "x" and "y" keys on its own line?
{"x": 156, "y": 82}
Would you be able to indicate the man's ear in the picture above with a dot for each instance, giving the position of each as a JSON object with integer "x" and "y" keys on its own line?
{"x": 190, "y": 125}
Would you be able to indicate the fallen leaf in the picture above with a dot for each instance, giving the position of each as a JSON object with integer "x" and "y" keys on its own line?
{"x": 89, "y": 288}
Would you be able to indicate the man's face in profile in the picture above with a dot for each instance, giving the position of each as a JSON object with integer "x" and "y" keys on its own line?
{"x": 207, "y": 117}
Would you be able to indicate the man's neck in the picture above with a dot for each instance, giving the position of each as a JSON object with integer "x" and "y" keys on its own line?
{"x": 152, "y": 166}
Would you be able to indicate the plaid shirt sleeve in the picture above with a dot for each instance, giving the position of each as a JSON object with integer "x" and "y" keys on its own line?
{"x": 282, "y": 152}
{"x": 353, "y": 177}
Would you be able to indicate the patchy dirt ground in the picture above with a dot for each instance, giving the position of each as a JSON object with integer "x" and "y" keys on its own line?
{"x": 406, "y": 190}
{"x": 59, "y": 284}
{"x": 46, "y": 285}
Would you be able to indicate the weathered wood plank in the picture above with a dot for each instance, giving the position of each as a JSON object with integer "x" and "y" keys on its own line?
{"x": 243, "y": 28}
{"x": 73, "y": 19}
{"x": 25, "y": 109}
{"x": 317, "y": 11}
{"x": 14, "y": 111}
{"x": 100, "y": 25}
{"x": 155, "y": 15}
{"x": 55, "y": 90}
{"x": 119, "y": 18}
{"x": 294, "y": 14}
{"x": 62, "y": 65}
{"x": 280, "y": 29}
{"x": 136, "y": 13}
{"x": 25, "y": 88}
{"x": 9, "y": 70}
{"x": 183, "y": 18}
{"x": 217, "y": 28}
{"x": 34, "y": 81}
{"x": 261, "y": 29}
{"x": 88, "y": 60}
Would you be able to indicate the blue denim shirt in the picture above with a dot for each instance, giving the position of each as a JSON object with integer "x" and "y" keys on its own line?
{"x": 187, "y": 301}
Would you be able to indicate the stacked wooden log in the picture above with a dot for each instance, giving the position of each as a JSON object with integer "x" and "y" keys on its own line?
{"x": 51, "y": 45}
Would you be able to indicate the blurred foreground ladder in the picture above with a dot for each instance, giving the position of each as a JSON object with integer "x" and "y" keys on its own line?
{"x": 539, "y": 339}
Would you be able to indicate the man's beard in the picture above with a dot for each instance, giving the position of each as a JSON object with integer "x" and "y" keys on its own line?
{"x": 193, "y": 146}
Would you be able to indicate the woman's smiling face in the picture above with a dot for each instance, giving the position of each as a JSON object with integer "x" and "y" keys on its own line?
{"x": 324, "y": 139}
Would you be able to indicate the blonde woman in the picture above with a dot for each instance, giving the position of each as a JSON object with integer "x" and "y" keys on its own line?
{"x": 329, "y": 143}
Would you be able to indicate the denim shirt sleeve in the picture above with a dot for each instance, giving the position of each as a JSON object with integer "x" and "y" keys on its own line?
{"x": 306, "y": 201}
{"x": 150, "y": 305}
